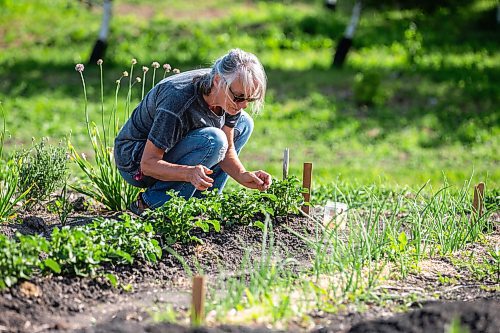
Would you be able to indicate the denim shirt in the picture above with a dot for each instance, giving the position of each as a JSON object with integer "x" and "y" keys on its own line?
{"x": 167, "y": 113}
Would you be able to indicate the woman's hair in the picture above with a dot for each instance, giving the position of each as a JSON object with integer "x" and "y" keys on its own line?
{"x": 238, "y": 64}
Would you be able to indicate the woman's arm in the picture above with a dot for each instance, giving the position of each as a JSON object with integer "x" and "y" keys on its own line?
{"x": 153, "y": 165}
{"x": 232, "y": 165}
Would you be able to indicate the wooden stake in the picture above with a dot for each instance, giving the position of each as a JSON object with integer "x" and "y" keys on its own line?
{"x": 198, "y": 301}
{"x": 306, "y": 184}
{"x": 286, "y": 160}
{"x": 478, "y": 202}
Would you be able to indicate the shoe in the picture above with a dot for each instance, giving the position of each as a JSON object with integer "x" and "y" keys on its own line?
{"x": 138, "y": 207}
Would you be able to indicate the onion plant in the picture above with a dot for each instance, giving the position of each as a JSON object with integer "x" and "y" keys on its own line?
{"x": 106, "y": 184}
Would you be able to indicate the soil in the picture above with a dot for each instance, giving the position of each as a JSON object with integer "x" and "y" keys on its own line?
{"x": 83, "y": 304}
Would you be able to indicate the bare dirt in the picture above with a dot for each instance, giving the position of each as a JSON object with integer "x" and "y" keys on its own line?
{"x": 77, "y": 304}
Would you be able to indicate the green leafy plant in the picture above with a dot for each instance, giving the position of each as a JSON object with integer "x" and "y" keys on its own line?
{"x": 106, "y": 184}
{"x": 61, "y": 205}
{"x": 42, "y": 169}
{"x": 177, "y": 217}
{"x": 9, "y": 196}
{"x": 20, "y": 258}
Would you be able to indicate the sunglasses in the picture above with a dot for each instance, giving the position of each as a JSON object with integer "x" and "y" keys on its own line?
{"x": 239, "y": 98}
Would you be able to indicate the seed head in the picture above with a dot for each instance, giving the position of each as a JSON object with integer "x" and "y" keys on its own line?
{"x": 79, "y": 68}
{"x": 99, "y": 62}
{"x": 176, "y": 71}
{"x": 125, "y": 74}
{"x": 155, "y": 65}
{"x": 167, "y": 67}
{"x": 145, "y": 69}
{"x": 138, "y": 79}
{"x": 134, "y": 61}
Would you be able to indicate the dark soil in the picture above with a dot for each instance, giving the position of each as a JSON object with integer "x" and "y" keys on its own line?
{"x": 77, "y": 304}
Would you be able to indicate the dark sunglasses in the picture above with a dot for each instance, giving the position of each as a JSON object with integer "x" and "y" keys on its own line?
{"x": 239, "y": 98}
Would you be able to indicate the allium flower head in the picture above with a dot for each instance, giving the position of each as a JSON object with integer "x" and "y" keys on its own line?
{"x": 117, "y": 81}
{"x": 79, "y": 68}
{"x": 145, "y": 69}
{"x": 176, "y": 71}
{"x": 155, "y": 65}
{"x": 167, "y": 67}
{"x": 99, "y": 62}
{"x": 125, "y": 74}
{"x": 138, "y": 79}
{"x": 134, "y": 61}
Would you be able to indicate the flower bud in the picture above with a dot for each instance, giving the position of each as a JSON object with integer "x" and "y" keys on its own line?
{"x": 155, "y": 65}
{"x": 138, "y": 79}
{"x": 145, "y": 69}
{"x": 176, "y": 71}
{"x": 134, "y": 61}
{"x": 99, "y": 62}
{"x": 79, "y": 68}
{"x": 167, "y": 67}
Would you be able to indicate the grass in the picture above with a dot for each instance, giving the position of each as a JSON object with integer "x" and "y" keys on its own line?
{"x": 432, "y": 117}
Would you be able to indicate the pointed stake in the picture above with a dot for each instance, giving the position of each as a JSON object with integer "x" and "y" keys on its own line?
{"x": 306, "y": 184}
{"x": 198, "y": 301}
{"x": 286, "y": 160}
{"x": 478, "y": 202}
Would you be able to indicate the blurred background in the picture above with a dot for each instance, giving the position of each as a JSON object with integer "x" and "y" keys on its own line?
{"x": 393, "y": 92}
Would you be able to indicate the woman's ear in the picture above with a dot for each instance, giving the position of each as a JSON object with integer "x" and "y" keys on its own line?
{"x": 216, "y": 79}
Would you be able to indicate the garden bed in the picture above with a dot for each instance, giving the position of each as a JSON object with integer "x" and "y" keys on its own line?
{"x": 437, "y": 295}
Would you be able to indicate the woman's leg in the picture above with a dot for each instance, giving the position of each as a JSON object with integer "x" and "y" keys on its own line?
{"x": 206, "y": 146}
{"x": 242, "y": 132}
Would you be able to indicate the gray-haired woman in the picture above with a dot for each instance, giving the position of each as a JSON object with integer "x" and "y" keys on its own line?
{"x": 187, "y": 132}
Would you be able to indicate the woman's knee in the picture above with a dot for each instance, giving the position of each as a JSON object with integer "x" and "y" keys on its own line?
{"x": 216, "y": 139}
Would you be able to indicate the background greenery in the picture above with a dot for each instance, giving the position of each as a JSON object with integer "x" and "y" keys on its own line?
{"x": 417, "y": 98}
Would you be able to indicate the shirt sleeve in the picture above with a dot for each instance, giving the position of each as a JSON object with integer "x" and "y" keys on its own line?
{"x": 166, "y": 130}
{"x": 231, "y": 120}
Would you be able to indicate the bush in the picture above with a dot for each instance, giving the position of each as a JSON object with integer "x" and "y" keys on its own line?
{"x": 42, "y": 169}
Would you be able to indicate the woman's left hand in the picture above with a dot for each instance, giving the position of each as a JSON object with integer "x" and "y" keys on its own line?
{"x": 259, "y": 180}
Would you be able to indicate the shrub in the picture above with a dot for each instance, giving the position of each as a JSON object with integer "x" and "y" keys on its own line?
{"x": 42, "y": 169}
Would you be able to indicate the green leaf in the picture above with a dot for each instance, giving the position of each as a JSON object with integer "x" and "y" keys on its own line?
{"x": 53, "y": 265}
{"x": 112, "y": 278}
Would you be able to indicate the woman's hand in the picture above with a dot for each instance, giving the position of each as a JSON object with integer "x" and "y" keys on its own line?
{"x": 260, "y": 180}
{"x": 198, "y": 176}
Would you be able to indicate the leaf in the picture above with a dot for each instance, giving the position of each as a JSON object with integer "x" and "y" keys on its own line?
{"x": 112, "y": 278}
{"x": 259, "y": 225}
{"x": 53, "y": 265}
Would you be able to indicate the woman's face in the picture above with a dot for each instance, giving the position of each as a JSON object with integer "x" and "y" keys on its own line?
{"x": 236, "y": 97}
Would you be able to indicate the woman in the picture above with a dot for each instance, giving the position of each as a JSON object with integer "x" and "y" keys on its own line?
{"x": 187, "y": 132}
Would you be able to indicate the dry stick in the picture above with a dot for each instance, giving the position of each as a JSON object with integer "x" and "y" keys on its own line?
{"x": 286, "y": 160}
{"x": 306, "y": 184}
{"x": 477, "y": 203}
{"x": 198, "y": 301}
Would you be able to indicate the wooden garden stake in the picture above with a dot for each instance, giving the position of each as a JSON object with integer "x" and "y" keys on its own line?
{"x": 478, "y": 202}
{"x": 198, "y": 301}
{"x": 306, "y": 184}
{"x": 286, "y": 160}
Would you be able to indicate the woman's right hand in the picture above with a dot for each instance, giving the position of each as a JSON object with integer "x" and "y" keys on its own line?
{"x": 198, "y": 176}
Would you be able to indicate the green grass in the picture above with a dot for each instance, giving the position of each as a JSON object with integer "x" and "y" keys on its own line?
{"x": 433, "y": 115}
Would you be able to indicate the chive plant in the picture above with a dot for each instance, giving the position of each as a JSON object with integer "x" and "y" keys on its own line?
{"x": 106, "y": 184}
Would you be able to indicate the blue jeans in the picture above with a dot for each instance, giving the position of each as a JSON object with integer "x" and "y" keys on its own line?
{"x": 206, "y": 146}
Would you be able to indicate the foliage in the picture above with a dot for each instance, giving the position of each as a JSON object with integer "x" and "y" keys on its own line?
{"x": 61, "y": 205}
{"x": 42, "y": 170}
{"x": 106, "y": 184}
{"x": 178, "y": 216}
{"x": 9, "y": 197}
{"x": 19, "y": 259}
{"x": 81, "y": 251}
